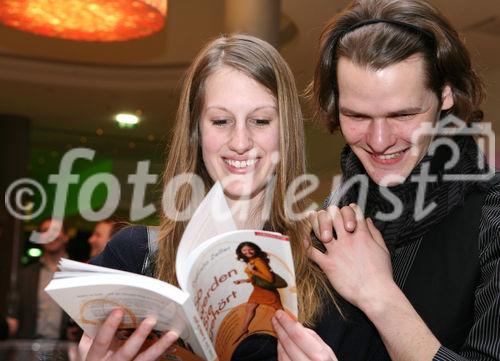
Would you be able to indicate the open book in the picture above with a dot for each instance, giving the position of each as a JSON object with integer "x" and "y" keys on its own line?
{"x": 231, "y": 284}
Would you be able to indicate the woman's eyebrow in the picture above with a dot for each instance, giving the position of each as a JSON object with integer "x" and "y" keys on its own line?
{"x": 266, "y": 106}
{"x": 221, "y": 107}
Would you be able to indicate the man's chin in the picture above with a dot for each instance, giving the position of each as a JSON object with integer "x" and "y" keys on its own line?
{"x": 388, "y": 179}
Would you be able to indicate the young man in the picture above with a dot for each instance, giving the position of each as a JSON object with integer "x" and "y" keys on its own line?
{"x": 422, "y": 281}
{"x": 100, "y": 237}
{"x": 39, "y": 316}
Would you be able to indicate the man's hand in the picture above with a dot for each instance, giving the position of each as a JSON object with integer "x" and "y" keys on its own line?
{"x": 357, "y": 262}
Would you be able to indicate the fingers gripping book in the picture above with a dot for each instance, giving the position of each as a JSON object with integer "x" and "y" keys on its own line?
{"x": 231, "y": 284}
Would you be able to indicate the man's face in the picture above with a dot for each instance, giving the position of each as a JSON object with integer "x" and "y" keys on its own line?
{"x": 380, "y": 111}
{"x": 59, "y": 240}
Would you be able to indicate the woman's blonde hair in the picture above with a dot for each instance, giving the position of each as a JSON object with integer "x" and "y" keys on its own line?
{"x": 261, "y": 62}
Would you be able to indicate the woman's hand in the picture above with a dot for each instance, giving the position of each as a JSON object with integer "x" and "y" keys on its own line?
{"x": 357, "y": 263}
{"x": 106, "y": 347}
{"x": 297, "y": 343}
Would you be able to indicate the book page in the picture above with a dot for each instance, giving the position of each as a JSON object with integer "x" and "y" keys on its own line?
{"x": 73, "y": 268}
{"x": 90, "y": 298}
{"x": 211, "y": 218}
{"x": 233, "y": 305}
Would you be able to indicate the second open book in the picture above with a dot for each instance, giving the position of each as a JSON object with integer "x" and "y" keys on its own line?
{"x": 231, "y": 283}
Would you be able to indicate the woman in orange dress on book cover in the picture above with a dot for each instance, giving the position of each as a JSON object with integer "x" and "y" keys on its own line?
{"x": 257, "y": 267}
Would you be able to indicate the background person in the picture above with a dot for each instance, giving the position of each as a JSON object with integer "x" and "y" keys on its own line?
{"x": 426, "y": 287}
{"x": 39, "y": 316}
{"x": 103, "y": 231}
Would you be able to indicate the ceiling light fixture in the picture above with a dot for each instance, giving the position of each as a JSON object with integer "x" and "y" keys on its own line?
{"x": 126, "y": 120}
{"x": 86, "y": 20}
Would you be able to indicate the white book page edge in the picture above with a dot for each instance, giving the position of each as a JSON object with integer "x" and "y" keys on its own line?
{"x": 140, "y": 282}
{"x": 203, "y": 225}
{"x": 67, "y": 265}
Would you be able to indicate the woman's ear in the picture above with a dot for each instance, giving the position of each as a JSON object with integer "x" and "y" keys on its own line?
{"x": 447, "y": 98}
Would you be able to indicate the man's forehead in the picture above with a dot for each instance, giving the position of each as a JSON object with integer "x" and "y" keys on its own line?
{"x": 400, "y": 84}
{"x": 415, "y": 63}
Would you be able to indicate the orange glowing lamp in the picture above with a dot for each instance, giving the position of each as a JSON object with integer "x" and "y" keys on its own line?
{"x": 86, "y": 20}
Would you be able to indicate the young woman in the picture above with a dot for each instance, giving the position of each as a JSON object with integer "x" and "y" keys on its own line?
{"x": 239, "y": 118}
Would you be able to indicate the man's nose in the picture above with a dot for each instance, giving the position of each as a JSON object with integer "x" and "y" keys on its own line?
{"x": 380, "y": 135}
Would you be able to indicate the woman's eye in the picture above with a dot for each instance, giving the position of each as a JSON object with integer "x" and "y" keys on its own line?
{"x": 219, "y": 122}
{"x": 262, "y": 121}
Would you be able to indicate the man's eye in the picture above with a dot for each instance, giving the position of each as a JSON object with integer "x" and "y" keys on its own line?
{"x": 357, "y": 116}
{"x": 405, "y": 116}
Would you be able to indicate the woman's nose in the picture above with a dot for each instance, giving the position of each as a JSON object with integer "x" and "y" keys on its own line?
{"x": 241, "y": 139}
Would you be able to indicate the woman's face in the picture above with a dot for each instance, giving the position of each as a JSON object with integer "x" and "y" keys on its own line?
{"x": 239, "y": 133}
{"x": 247, "y": 251}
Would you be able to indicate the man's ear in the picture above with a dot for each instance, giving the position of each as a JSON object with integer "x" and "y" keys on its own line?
{"x": 447, "y": 98}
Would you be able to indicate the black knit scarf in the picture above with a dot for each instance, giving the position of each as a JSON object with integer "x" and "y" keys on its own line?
{"x": 445, "y": 193}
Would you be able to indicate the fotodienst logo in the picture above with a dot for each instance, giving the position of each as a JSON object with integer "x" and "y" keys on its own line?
{"x": 20, "y": 195}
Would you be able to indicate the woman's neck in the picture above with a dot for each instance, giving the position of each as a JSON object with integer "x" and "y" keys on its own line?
{"x": 247, "y": 213}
